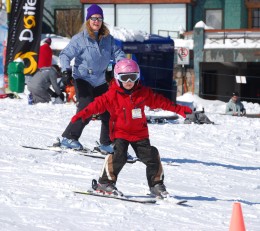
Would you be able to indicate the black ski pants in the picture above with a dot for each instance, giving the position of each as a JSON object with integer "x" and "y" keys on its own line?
{"x": 85, "y": 94}
{"x": 147, "y": 154}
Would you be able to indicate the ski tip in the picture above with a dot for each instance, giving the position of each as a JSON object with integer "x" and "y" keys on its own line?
{"x": 168, "y": 198}
{"x": 82, "y": 192}
{"x": 182, "y": 202}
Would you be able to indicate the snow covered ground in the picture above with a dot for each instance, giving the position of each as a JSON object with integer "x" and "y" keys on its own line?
{"x": 212, "y": 166}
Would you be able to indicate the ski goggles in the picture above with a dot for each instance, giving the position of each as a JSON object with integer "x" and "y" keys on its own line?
{"x": 96, "y": 19}
{"x": 132, "y": 77}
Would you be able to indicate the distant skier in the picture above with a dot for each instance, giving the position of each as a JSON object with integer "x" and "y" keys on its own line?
{"x": 125, "y": 101}
{"x": 234, "y": 106}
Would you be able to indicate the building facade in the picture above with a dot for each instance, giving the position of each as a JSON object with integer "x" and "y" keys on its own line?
{"x": 226, "y": 59}
{"x": 220, "y": 51}
{"x": 221, "y": 14}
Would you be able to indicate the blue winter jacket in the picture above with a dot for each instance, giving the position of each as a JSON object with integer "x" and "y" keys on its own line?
{"x": 91, "y": 58}
{"x": 233, "y": 107}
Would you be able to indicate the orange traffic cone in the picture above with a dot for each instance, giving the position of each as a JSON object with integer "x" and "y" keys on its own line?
{"x": 237, "y": 220}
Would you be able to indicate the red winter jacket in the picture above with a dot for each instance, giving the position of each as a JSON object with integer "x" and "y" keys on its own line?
{"x": 120, "y": 106}
{"x": 45, "y": 56}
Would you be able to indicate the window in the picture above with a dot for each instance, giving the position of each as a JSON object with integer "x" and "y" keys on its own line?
{"x": 133, "y": 16}
{"x": 168, "y": 17}
{"x": 68, "y": 21}
{"x": 150, "y": 18}
{"x": 256, "y": 18}
{"x": 214, "y": 18}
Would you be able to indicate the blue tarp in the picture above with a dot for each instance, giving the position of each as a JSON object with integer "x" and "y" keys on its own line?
{"x": 154, "y": 43}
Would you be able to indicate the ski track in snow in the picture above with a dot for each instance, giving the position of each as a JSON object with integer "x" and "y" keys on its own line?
{"x": 213, "y": 166}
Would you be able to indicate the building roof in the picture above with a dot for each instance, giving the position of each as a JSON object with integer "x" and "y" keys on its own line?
{"x": 137, "y": 1}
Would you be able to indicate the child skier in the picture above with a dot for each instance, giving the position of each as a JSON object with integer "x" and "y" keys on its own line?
{"x": 125, "y": 101}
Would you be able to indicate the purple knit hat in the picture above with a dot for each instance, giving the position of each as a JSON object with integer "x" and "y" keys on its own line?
{"x": 94, "y": 9}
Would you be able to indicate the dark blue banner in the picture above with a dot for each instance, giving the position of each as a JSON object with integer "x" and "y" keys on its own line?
{"x": 24, "y": 33}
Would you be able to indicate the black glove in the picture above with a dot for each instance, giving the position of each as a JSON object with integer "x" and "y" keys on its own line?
{"x": 110, "y": 73}
{"x": 52, "y": 93}
{"x": 243, "y": 112}
{"x": 67, "y": 77}
{"x": 62, "y": 97}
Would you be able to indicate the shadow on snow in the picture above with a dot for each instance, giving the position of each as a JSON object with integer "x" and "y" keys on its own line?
{"x": 203, "y": 198}
{"x": 187, "y": 161}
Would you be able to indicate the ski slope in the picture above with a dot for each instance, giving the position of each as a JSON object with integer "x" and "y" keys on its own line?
{"x": 212, "y": 166}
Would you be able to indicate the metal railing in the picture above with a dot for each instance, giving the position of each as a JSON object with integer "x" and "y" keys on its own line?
{"x": 169, "y": 33}
{"x": 222, "y": 36}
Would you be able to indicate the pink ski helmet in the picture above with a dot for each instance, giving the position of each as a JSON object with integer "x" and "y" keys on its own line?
{"x": 126, "y": 70}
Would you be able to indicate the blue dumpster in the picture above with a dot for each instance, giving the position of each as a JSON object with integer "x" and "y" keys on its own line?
{"x": 155, "y": 57}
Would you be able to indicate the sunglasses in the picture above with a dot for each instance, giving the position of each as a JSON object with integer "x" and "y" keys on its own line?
{"x": 132, "y": 77}
{"x": 96, "y": 19}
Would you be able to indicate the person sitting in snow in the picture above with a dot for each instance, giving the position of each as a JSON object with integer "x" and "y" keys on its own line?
{"x": 125, "y": 101}
{"x": 39, "y": 85}
{"x": 234, "y": 107}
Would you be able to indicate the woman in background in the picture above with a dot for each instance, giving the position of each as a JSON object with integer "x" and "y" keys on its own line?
{"x": 93, "y": 49}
